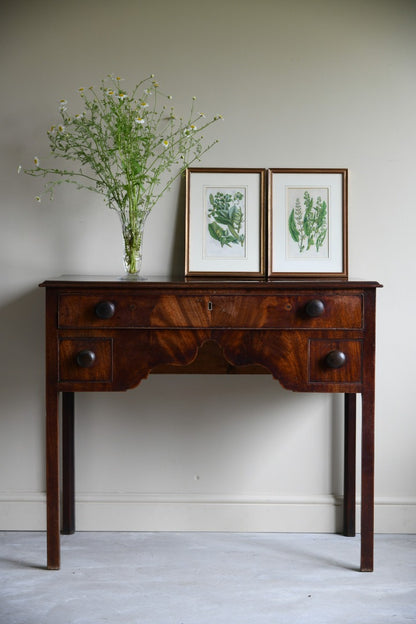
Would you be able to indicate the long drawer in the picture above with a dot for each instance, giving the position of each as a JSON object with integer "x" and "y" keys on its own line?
{"x": 125, "y": 310}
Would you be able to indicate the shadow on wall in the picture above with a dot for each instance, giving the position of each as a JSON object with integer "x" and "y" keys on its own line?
{"x": 22, "y": 445}
{"x": 177, "y": 261}
{"x": 336, "y": 453}
{"x": 22, "y": 361}
{"x": 229, "y": 434}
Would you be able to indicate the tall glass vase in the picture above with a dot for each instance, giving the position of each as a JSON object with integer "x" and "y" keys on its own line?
{"x": 133, "y": 246}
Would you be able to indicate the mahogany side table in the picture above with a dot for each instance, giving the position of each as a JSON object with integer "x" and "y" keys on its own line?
{"x": 107, "y": 334}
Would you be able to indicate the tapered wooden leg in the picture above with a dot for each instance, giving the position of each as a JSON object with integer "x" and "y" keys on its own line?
{"x": 350, "y": 405}
{"x": 52, "y": 480}
{"x": 68, "y": 466}
{"x": 367, "y": 482}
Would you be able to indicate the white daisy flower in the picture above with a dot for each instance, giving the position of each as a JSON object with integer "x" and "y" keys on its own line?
{"x": 121, "y": 95}
{"x": 139, "y": 120}
{"x": 144, "y": 104}
{"x": 165, "y": 143}
{"x": 36, "y": 161}
{"x": 61, "y": 128}
{"x": 79, "y": 116}
{"x": 63, "y": 105}
{"x": 190, "y": 129}
{"x": 38, "y": 199}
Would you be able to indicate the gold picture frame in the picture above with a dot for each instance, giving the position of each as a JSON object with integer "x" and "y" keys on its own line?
{"x": 225, "y": 221}
{"x": 307, "y": 223}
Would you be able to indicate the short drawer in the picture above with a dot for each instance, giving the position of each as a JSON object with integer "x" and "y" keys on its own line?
{"x": 88, "y": 359}
{"x": 336, "y": 361}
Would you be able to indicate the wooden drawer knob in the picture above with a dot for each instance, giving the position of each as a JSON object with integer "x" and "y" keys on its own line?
{"x": 314, "y": 308}
{"x": 335, "y": 359}
{"x": 105, "y": 309}
{"x": 86, "y": 358}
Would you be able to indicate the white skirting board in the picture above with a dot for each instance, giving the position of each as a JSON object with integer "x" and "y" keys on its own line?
{"x": 26, "y": 511}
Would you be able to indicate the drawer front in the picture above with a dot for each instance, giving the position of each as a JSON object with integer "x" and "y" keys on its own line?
{"x": 85, "y": 359}
{"x": 216, "y": 311}
{"x": 288, "y": 311}
{"x": 95, "y": 311}
{"x": 102, "y": 310}
{"x": 335, "y": 361}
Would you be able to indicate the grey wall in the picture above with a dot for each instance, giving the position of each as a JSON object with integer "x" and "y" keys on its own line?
{"x": 301, "y": 83}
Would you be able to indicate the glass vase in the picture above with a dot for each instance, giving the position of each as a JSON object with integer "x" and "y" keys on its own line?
{"x": 133, "y": 247}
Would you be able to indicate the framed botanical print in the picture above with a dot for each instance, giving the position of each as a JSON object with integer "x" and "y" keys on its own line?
{"x": 225, "y": 222}
{"x": 307, "y": 229}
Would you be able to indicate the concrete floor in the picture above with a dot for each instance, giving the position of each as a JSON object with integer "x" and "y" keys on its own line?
{"x": 206, "y": 578}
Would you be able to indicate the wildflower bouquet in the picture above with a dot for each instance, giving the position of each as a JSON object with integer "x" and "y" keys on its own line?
{"x": 128, "y": 147}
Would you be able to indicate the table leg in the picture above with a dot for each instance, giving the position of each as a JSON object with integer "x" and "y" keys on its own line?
{"x": 68, "y": 465}
{"x": 350, "y": 403}
{"x": 52, "y": 480}
{"x": 367, "y": 482}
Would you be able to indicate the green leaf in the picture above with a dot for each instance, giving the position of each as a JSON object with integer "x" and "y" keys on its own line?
{"x": 308, "y": 221}
{"x": 294, "y": 232}
{"x": 321, "y": 215}
{"x": 216, "y": 231}
{"x": 320, "y": 239}
{"x": 222, "y": 217}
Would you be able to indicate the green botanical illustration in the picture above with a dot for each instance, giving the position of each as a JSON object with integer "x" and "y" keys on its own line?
{"x": 308, "y": 225}
{"x": 226, "y": 210}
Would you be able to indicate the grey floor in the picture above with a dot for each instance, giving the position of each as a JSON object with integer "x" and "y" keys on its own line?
{"x": 206, "y": 578}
